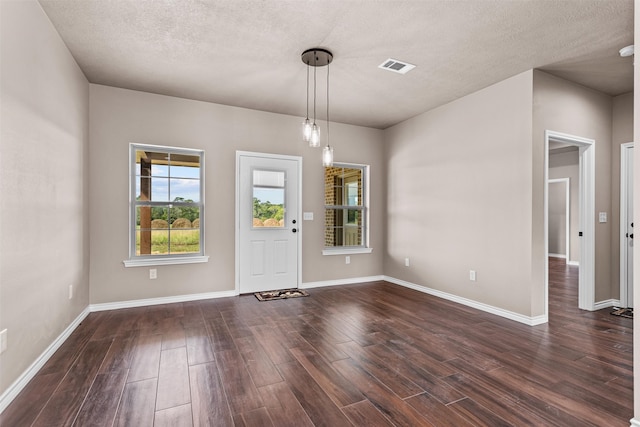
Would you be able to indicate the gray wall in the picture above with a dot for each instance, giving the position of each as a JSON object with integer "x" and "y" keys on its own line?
{"x": 558, "y": 218}
{"x": 44, "y": 221}
{"x": 459, "y": 197}
{"x": 120, "y": 116}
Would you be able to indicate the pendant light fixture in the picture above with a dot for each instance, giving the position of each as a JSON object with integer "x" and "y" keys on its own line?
{"x": 316, "y": 57}
{"x": 327, "y": 152}
{"x": 315, "y": 129}
{"x": 306, "y": 125}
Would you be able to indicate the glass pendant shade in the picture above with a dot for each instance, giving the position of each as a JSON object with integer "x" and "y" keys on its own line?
{"x": 306, "y": 130}
{"x": 327, "y": 156}
{"x": 314, "y": 141}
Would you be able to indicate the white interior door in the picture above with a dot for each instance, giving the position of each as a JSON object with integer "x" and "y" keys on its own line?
{"x": 268, "y": 224}
{"x": 627, "y": 218}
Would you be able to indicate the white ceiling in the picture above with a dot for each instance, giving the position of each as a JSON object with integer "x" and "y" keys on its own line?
{"x": 247, "y": 52}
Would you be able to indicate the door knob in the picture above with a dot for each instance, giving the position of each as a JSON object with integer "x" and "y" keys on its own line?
{"x": 293, "y": 230}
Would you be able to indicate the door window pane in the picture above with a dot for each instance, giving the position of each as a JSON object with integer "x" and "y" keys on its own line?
{"x": 268, "y": 199}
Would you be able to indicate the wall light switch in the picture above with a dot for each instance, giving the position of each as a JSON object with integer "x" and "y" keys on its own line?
{"x": 307, "y": 216}
{"x": 406, "y": 262}
{"x": 347, "y": 259}
{"x": 153, "y": 273}
{"x": 472, "y": 275}
{"x": 602, "y": 217}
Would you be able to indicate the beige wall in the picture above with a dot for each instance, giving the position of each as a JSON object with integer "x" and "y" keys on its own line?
{"x": 120, "y": 116}
{"x": 459, "y": 197}
{"x": 557, "y": 218}
{"x": 566, "y": 107}
{"x": 43, "y": 181}
{"x": 565, "y": 165}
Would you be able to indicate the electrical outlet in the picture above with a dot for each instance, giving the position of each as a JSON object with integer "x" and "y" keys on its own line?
{"x": 406, "y": 262}
{"x": 472, "y": 275}
{"x": 3, "y": 341}
{"x": 347, "y": 259}
{"x": 70, "y": 291}
{"x": 153, "y": 273}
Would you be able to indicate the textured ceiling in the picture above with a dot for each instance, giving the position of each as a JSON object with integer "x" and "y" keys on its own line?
{"x": 247, "y": 52}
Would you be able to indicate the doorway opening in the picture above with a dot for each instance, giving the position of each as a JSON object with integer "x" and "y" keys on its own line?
{"x": 585, "y": 242}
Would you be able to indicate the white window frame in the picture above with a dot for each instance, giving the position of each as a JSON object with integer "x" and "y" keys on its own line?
{"x": 364, "y": 248}
{"x": 150, "y": 260}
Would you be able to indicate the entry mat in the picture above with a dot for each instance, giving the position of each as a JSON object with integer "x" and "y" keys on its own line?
{"x": 281, "y": 294}
{"x": 623, "y": 312}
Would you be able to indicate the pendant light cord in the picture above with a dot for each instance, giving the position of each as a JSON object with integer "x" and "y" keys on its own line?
{"x": 314, "y": 92}
{"x": 327, "y": 105}
{"x": 307, "y": 91}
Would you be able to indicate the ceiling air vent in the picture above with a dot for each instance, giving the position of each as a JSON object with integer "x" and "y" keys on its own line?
{"x": 396, "y": 66}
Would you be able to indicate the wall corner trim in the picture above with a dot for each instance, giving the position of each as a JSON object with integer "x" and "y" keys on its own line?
{"x": 14, "y": 389}
{"x": 527, "y": 320}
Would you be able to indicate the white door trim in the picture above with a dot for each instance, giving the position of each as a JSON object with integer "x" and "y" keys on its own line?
{"x": 625, "y": 155}
{"x": 298, "y": 159}
{"x": 567, "y": 207}
{"x": 586, "y": 281}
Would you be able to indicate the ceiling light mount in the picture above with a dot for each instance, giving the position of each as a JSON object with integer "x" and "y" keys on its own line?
{"x": 317, "y": 57}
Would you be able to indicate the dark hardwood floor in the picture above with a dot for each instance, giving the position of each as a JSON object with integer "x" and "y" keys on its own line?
{"x": 373, "y": 354}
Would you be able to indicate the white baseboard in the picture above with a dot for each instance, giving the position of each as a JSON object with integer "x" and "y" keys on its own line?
{"x": 14, "y": 389}
{"x": 576, "y": 263}
{"x": 606, "y": 304}
{"x": 557, "y": 255}
{"x": 527, "y": 320}
{"x": 354, "y": 280}
{"x": 161, "y": 300}
{"x": 635, "y": 422}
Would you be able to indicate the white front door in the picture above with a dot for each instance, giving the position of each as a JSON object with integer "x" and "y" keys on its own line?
{"x": 268, "y": 224}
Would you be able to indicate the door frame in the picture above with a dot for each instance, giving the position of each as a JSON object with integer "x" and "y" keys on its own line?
{"x": 298, "y": 159}
{"x": 567, "y": 210}
{"x": 586, "y": 280}
{"x": 625, "y": 155}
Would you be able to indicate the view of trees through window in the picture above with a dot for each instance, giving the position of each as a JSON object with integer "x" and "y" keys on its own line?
{"x": 267, "y": 214}
{"x": 268, "y": 198}
{"x": 167, "y": 204}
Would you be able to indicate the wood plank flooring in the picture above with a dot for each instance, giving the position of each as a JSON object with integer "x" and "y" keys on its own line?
{"x": 372, "y": 354}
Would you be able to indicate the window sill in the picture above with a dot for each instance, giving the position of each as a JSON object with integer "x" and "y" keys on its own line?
{"x": 146, "y": 262}
{"x": 345, "y": 251}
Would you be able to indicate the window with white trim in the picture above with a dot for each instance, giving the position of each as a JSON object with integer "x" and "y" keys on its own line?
{"x": 166, "y": 218}
{"x": 346, "y": 209}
